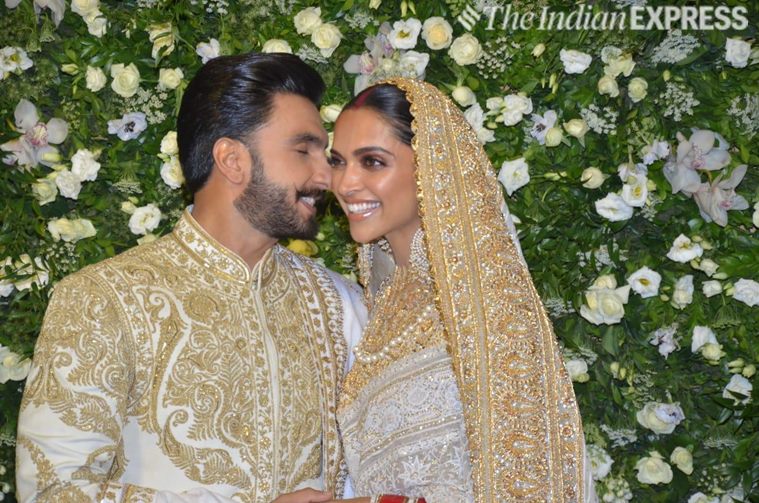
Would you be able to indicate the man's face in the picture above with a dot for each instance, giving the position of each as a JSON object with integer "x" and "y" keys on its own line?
{"x": 289, "y": 171}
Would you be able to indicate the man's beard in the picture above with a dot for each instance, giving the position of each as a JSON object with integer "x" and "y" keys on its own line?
{"x": 266, "y": 207}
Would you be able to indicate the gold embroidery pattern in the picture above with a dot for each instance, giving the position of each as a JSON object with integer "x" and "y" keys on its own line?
{"x": 515, "y": 390}
{"x": 88, "y": 350}
{"x": 324, "y": 308}
{"x": 51, "y": 489}
{"x": 396, "y": 310}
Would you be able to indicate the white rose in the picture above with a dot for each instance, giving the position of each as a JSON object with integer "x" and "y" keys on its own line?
{"x": 711, "y": 288}
{"x": 208, "y": 50}
{"x": 308, "y": 20}
{"x": 684, "y": 250}
{"x": 737, "y": 52}
{"x": 68, "y": 183}
{"x": 12, "y": 368}
{"x": 607, "y": 85}
{"x": 45, "y": 190}
{"x": 326, "y": 37}
{"x": 405, "y": 33}
{"x": 277, "y": 45}
{"x": 330, "y": 113}
{"x": 464, "y": 96}
{"x": 465, "y": 50}
{"x": 700, "y": 497}
{"x": 96, "y": 79}
{"x": 683, "y": 294}
{"x": 84, "y": 165}
{"x": 70, "y": 231}
{"x": 170, "y": 78}
{"x": 682, "y": 459}
{"x": 653, "y": 470}
{"x": 741, "y": 385}
{"x": 605, "y": 305}
{"x": 33, "y": 272}
{"x": 637, "y": 89}
{"x": 6, "y": 268}
{"x": 96, "y": 25}
{"x": 645, "y": 282}
{"x": 661, "y": 418}
{"x": 576, "y": 128}
{"x": 747, "y": 291}
{"x": 701, "y": 336}
{"x": 169, "y": 144}
{"x": 592, "y": 178}
{"x": 577, "y": 369}
{"x": 437, "y": 33}
{"x": 514, "y": 175}
{"x": 708, "y": 266}
{"x": 515, "y": 107}
{"x": 621, "y": 65}
{"x": 553, "y": 137}
{"x": 635, "y": 191}
{"x": 600, "y": 461}
{"x": 126, "y": 79}
{"x": 712, "y": 352}
{"x": 162, "y": 36}
{"x": 171, "y": 173}
{"x": 144, "y": 219}
{"x": 614, "y": 208}
{"x": 85, "y": 7}
{"x": 575, "y": 61}
{"x": 128, "y": 207}
{"x": 538, "y": 50}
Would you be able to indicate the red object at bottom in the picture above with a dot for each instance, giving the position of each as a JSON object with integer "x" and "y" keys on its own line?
{"x": 391, "y": 498}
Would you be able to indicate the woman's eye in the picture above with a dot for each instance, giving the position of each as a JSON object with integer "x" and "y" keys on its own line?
{"x": 373, "y": 162}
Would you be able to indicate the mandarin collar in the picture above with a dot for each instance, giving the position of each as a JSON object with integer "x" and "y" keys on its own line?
{"x": 218, "y": 257}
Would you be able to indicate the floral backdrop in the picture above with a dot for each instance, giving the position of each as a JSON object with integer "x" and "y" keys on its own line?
{"x": 628, "y": 157}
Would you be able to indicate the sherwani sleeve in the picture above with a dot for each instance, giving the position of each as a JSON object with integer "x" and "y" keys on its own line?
{"x": 76, "y": 400}
{"x": 354, "y": 315}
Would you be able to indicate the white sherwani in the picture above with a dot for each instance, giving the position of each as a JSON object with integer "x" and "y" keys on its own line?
{"x": 173, "y": 373}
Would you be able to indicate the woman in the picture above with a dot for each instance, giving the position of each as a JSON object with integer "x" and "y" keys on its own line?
{"x": 458, "y": 392}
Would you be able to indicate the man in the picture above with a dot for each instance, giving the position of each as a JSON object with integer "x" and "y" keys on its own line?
{"x": 204, "y": 366}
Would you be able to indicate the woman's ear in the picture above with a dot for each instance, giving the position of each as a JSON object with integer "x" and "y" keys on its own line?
{"x": 232, "y": 160}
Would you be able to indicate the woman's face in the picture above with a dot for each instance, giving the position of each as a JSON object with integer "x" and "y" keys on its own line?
{"x": 373, "y": 178}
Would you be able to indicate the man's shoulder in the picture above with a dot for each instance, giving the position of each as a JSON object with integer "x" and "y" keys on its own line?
{"x": 147, "y": 256}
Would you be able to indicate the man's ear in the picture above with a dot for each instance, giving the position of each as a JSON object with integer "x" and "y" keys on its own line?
{"x": 232, "y": 160}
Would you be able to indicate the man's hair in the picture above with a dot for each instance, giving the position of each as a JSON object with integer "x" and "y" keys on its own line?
{"x": 232, "y": 97}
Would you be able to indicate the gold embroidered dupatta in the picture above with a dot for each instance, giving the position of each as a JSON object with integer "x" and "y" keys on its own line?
{"x": 522, "y": 421}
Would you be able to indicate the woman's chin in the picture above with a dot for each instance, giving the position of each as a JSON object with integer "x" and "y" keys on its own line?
{"x": 362, "y": 237}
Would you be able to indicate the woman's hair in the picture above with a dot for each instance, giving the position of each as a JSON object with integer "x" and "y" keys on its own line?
{"x": 391, "y": 103}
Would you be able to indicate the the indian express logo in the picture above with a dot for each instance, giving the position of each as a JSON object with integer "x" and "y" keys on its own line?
{"x": 585, "y": 17}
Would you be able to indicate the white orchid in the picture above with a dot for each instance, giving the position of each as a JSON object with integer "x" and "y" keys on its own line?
{"x": 13, "y": 60}
{"x": 34, "y": 146}
{"x": 698, "y": 153}
{"x": 541, "y": 125}
{"x": 57, "y": 7}
{"x": 716, "y": 199}
{"x": 129, "y": 126}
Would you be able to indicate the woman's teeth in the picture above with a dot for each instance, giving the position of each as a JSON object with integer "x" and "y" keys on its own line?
{"x": 362, "y": 207}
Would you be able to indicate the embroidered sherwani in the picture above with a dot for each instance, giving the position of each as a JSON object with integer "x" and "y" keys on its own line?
{"x": 172, "y": 372}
